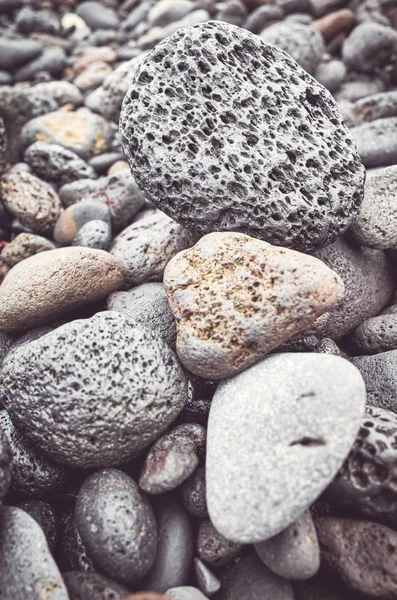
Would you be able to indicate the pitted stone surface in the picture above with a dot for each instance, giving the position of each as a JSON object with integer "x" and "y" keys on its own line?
{"x": 225, "y": 132}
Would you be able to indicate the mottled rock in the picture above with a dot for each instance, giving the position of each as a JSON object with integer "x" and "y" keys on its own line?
{"x": 75, "y": 216}
{"x": 44, "y": 515}
{"x": 23, "y": 246}
{"x": 94, "y": 234}
{"x": 377, "y": 334}
{"x": 300, "y": 186}
{"x": 214, "y": 549}
{"x": 376, "y": 106}
{"x": 262, "y": 17}
{"x": 93, "y": 76}
{"x": 236, "y": 298}
{"x": 72, "y": 553}
{"x": 368, "y": 46}
{"x": 56, "y": 163}
{"x": 193, "y": 494}
{"x": 93, "y": 369}
{"x": 86, "y": 586}
{"x": 380, "y": 375}
{"x": 376, "y": 142}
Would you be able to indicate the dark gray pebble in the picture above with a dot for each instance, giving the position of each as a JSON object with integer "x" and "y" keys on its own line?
{"x": 92, "y": 586}
{"x": 56, "y": 163}
{"x": 14, "y": 53}
{"x": 193, "y": 494}
{"x": 29, "y": 20}
{"x": 214, "y": 549}
{"x": 72, "y": 553}
{"x": 52, "y": 61}
{"x": 94, "y": 234}
{"x": 208, "y": 583}
{"x": 368, "y": 46}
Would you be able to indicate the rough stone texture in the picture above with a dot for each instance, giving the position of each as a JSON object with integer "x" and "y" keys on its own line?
{"x": 148, "y": 305}
{"x": 369, "y": 283}
{"x": 72, "y": 553}
{"x": 377, "y": 334}
{"x": 304, "y": 44}
{"x": 172, "y": 459}
{"x": 27, "y": 569}
{"x": 5, "y": 465}
{"x": 56, "y": 163}
{"x": 32, "y": 473}
{"x": 369, "y": 45}
{"x": 277, "y": 435}
{"x": 185, "y": 593}
{"x": 23, "y": 246}
{"x": 144, "y": 248}
{"x": 87, "y": 586}
{"x": 98, "y": 16}
{"x": 236, "y": 298}
{"x": 294, "y": 554}
{"x": 77, "y": 215}
{"x": 377, "y": 142}
{"x": 112, "y": 514}
{"x": 362, "y": 553}
{"x": 44, "y": 515}
{"x": 380, "y": 376}
{"x": 32, "y": 201}
{"x": 214, "y": 549}
{"x": 94, "y": 234}
{"x": 119, "y": 387}
{"x": 193, "y": 494}
{"x": 52, "y": 283}
{"x": 82, "y": 132}
{"x": 275, "y": 160}
{"x": 375, "y": 224}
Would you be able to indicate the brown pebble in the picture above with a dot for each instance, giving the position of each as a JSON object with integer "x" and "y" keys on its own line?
{"x": 340, "y": 21}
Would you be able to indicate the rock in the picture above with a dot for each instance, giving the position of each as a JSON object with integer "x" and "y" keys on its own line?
{"x": 368, "y": 281}
{"x": 214, "y": 549}
{"x": 376, "y": 106}
{"x": 14, "y": 53}
{"x": 380, "y": 376}
{"x": 146, "y": 596}
{"x": 81, "y": 132}
{"x": 111, "y": 513}
{"x": 369, "y": 45}
{"x": 32, "y": 474}
{"x": 208, "y": 583}
{"x": 94, "y": 234}
{"x": 156, "y": 34}
{"x": 148, "y": 305}
{"x": 172, "y": 459}
{"x": 98, "y": 16}
{"x": 3, "y": 146}
{"x": 32, "y": 201}
{"x": 377, "y": 334}
{"x": 185, "y": 593}
{"x": 304, "y": 44}
{"x": 306, "y": 438}
{"x": 232, "y": 306}
{"x": 93, "y": 76}
{"x": 119, "y": 165}
{"x": 193, "y": 494}
{"x": 174, "y": 555}
{"x": 52, "y": 60}
{"x": 103, "y": 162}
{"x": 5, "y": 465}
{"x": 85, "y": 586}
{"x": 29, "y": 20}
{"x": 324, "y": 586}
{"x": 322, "y": 7}
{"x": 72, "y": 192}
{"x": 44, "y": 515}
{"x": 108, "y": 414}
{"x": 52, "y": 283}
{"x": 332, "y": 24}
{"x": 165, "y": 12}
{"x": 376, "y": 142}
{"x": 72, "y": 553}
{"x": 5, "y": 344}
{"x": 262, "y": 17}
{"x": 362, "y": 553}
{"x": 300, "y": 192}
{"x": 232, "y": 11}
{"x": 331, "y": 74}
{"x": 144, "y": 248}
{"x": 23, "y": 246}
{"x": 55, "y": 163}
{"x": 376, "y": 222}
{"x": 75, "y": 216}
{"x": 294, "y": 554}
{"x": 25, "y": 573}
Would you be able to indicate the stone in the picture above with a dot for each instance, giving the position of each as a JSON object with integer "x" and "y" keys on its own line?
{"x": 6, "y": 465}
{"x": 193, "y": 494}
{"x": 93, "y": 54}
{"x": 299, "y": 187}
{"x": 380, "y": 375}
{"x": 214, "y": 549}
{"x": 332, "y": 24}
{"x": 14, "y": 53}
{"x": 52, "y": 283}
{"x": 322, "y": 7}
{"x": 94, "y": 234}
{"x": 375, "y": 224}
{"x": 82, "y": 132}
{"x": 72, "y": 553}
{"x": 3, "y": 146}
{"x": 119, "y": 165}
{"x": 376, "y": 142}
{"x": 369, "y": 45}
{"x": 25, "y": 573}
{"x": 52, "y": 61}
{"x": 94, "y": 368}
{"x": 331, "y": 74}
{"x": 53, "y": 162}
{"x": 156, "y": 34}
{"x": 377, "y": 334}
{"x": 29, "y": 20}
{"x": 103, "y": 162}
{"x": 232, "y": 11}
{"x": 275, "y": 443}
{"x": 303, "y": 43}
{"x": 32, "y": 201}
{"x": 262, "y": 17}
{"x": 172, "y": 459}
{"x": 93, "y": 76}
{"x": 324, "y": 586}
{"x": 360, "y": 87}
{"x": 294, "y": 554}
{"x": 112, "y": 513}
{"x": 362, "y": 553}
{"x": 146, "y": 596}
{"x": 23, "y": 246}
{"x": 85, "y": 586}
{"x": 75, "y": 216}
{"x": 236, "y": 298}
{"x": 165, "y": 12}
{"x": 98, "y": 16}
{"x": 208, "y": 583}
{"x": 376, "y": 106}
{"x": 44, "y": 515}
{"x": 148, "y": 305}
{"x": 185, "y": 593}
{"x": 144, "y": 248}
{"x": 368, "y": 280}
{"x": 5, "y": 344}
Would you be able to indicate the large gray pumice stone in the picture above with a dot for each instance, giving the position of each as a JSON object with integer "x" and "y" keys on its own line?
{"x": 223, "y": 131}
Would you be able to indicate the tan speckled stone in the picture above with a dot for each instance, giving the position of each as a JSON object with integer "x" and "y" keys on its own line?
{"x": 236, "y": 298}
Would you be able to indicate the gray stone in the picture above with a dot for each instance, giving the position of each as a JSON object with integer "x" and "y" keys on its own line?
{"x": 72, "y": 553}
{"x": 6, "y": 465}
{"x": 52, "y": 60}
{"x": 94, "y": 234}
{"x": 69, "y": 193}
{"x": 23, "y": 246}
{"x": 53, "y": 162}
{"x": 377, "y": 334}
{"x": 322, "y": 7}
{"x": 232, "y": 11}
{"x": 168, "y": 11}
{"x": 262, "y": 17}
{"x": 377, "y": 142}
{"x": 300, "y": 186}
{"x": 148, "y": 305}
{"x": 44, "y": 514}
{"x": 5, "y": 344}
{"x": 360, "y": 87}
{"x": 380, "y": 375}
{"x": 369, "y": 45}
{"x": 331, "y": 74}
{"x": 208, "y": 583}
{"x": 75, "y": 216}
{"x": 14, "y": 53}
{"x": 98, "y": 16}
{"x": 376, "y": 106}
{"x": 277, "y": 435}
{"x": 86, "y": 586}
{"x": 193, "y": 494}
{"x": 214, "y": 549}
{"x": 185, "y": 593}
{"x": 29, "y": 20}
{"x": 119, "y": 387}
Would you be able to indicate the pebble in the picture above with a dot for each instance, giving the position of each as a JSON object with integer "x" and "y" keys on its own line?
{"x": 368, "y": 280}
{"x": 172, "y": 459}
{"x": 97, "y": 16}
{"x": 93, "y": 54}
{"x": 360, "y": 87}
{"x": 332, "y": 24}
{"x": 52, "y": 283}
{"x": 5, "y": 465}
{"x": 262, "y": 17}
{"x": 362, "y": 553}
{"x": 185, "y": 593}
{"x": 62, "y": 92}
{"x": 294, "y": 554}
{"x": 119, "y": 165}
{"x": 376, "y": 142}
{"x": 23, "y": 246}
{"x": 108, "y": 415}
{"x": 103, "y": 162}
{"x": 14, "y": 53}
{"x": 369, "y": 46}
{"x": 44, "y": 515}
{"x": 376, "y": 106}
{"x": 53, "y": 162}
{"x": 304, "y": 200}
{"x": 94, "y": 234}
{"x": 380, "y": 375}
{"x": 214, "y": 549}
{"x": 93, "y": 76}
{"x": 236, "y": 298}
{"x": 248, "y": 464}
{"x": 144, "y": 248}
{"x": 5, "y": 344}
{"x": 208, "y": 583}
{"x": 193, "y": 494}
{"x": 233, "y": 11}
{"x": 75, "y": 216}
{"x": 86, "y": 586}
{"x": 112, "y": 514}
{"x": 331, "y": 74}
{"x": 24, "y": 572}
{"x": 148, "y": 305}
{"x": 81, "y": 132}
{"x": 52, "y": 61}
{"x": 377, "y": 334}
{"x": 72, "y": 192}
{"x": 324, "y": 586}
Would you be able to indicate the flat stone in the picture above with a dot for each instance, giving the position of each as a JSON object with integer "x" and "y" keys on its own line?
{"x": 369, "y": 46}
{"x": 75, "y": 216}
{"x": 277, "y": 435}
{"x": 376, "y": 106}
{"x": 214, "y": 549}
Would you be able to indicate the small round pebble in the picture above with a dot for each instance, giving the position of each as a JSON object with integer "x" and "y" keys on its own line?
{"x": 6, "y": 466}
{"x": 63, "y": 92}
{"x": 376, "y": 142}
{"x": 94, "y": 234}
{"x": 77, "y": 215}
{"x": 368, "y": 46}
{"x": 90, "y": 586}
{"x": 97, "y": 16}
{"x": 380, "y": 375}
{"x": 23, "y": 246}
{"x": 193, "y": 494}
{"x": 214, "y": 549}
{"x": 53, "y": 162}
{"x": 377, "y": 334}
